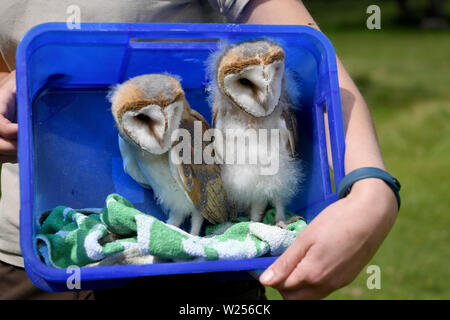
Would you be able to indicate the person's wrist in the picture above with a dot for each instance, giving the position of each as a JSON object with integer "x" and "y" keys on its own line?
{"x": 374, "y": 193}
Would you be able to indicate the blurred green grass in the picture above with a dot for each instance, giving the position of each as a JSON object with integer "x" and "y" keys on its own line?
{"x": 404, "y": 74}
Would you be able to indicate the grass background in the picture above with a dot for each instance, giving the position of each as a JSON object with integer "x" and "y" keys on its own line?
{"x": 404, "y": 74}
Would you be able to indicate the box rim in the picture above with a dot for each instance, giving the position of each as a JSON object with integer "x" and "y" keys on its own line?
{"x": 25, "y": 145}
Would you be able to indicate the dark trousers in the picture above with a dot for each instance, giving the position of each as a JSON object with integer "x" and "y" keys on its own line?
{"x": 15, "y": 285}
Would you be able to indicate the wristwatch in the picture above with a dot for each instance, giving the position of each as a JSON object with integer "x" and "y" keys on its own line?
{"x": 368, "y": 172}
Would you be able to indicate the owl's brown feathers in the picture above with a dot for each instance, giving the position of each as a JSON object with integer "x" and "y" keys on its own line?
{"x": 203, "y": 182}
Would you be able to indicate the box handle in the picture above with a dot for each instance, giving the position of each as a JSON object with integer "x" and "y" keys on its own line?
{"x": 173, "y": 43}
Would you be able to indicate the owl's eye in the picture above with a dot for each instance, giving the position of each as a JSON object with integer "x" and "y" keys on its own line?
{"x": 147, "y": 121}
{"x": 143, "y": 117}
{"x": 245, "y": 82}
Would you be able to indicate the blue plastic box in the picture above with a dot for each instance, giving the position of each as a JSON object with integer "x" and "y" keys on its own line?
{"x": 68, "y": 151}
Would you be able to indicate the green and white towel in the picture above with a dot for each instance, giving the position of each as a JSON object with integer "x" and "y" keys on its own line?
{"x": 121, "y": 234}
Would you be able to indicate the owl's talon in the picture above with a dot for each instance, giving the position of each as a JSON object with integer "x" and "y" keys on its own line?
{"x": 283, "y": 224}
{"x": 294, "y": 219}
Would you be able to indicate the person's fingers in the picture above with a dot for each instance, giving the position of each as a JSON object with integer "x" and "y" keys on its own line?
{"x": 287, "y": 262}
{"x": 306, "y": 282}
{"x": 299, "y": 277}
{"x": 9, "y": 158}
{"x": 311, "y": 271}
{"x": 310, "y": 293}
{"x": 8, "y": 129}
{"x": 8, "y": 147}
{"x": 8, "y": 97}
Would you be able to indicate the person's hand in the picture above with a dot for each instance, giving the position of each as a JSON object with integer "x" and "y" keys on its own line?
{"x": 8, "y": 129}
{"x": 330, "y": 252}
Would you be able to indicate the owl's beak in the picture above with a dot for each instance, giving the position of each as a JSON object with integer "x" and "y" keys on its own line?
{"x": 160, "y": 140}
{"x": 271, "y": 93}
{"x": 156, "y": 128}
{"x": 267, "y": 95}
{"x": 265, "y": 104}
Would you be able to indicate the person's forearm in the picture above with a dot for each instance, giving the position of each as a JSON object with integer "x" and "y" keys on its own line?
{"x": 361, "y": 143}
{"x": 314, "y": 266}
{"x": 3, "y": 75}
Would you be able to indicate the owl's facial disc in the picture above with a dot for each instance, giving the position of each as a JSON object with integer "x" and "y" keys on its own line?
{"x": 147, "y": 127}
{"x": 257, "y": 88}
{"x": 173, "y": 113}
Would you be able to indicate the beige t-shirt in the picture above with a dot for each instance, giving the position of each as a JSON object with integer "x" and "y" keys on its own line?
{"x": 18, "y": 16}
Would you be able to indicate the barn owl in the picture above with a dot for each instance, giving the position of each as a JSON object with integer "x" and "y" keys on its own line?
{"x": 250, "y": 89}
{"x": 147, "y": 109}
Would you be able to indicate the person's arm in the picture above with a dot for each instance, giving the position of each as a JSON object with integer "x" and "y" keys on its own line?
{"x": 8, "y": 129}
{"x": 340, "y": 241}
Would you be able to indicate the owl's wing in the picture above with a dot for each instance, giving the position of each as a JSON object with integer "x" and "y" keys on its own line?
{"x": 203, "y": 182}
{"x": 290, "y": 121}
{"x": 195, "y": 116}
{"x": 218, "y": 147}
{"x": 130, "y": 165}
{"x": 214, "y": 118}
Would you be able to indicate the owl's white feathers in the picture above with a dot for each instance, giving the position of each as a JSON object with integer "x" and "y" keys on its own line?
{"x": 256, "y": 88}
{"x": 250, "y": 90}
{"x": 289, "y": 85}
{"x": 245, "y": 185}
{"x": 154, "y": 171}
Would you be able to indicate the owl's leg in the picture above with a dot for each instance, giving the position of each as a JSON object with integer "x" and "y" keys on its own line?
{"x": 279, "y": 210}
{"x": 257, "y": 210}
{"x": 175, "y": 220}
{"x": 196, "y": 223}
{"x": 280, "y": 217}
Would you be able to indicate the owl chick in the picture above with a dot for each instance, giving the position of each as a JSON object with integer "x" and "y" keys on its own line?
{"x": 147, "y": 109}
{"x": 251, "y": 90}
